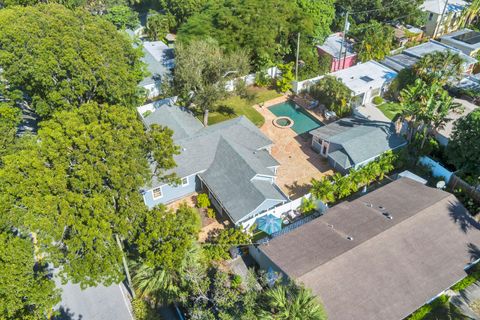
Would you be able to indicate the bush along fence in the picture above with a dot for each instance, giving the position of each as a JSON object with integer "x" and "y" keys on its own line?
{"x": 330, "y": 189}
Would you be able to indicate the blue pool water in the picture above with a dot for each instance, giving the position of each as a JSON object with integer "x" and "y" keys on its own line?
{"x": 303, "y": 122}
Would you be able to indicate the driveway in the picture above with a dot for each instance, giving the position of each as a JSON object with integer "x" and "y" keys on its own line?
{"x": 298, "y": 162}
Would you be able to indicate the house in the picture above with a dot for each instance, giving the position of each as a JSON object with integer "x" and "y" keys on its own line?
{"x": 465, "y": 40}
{"x": 350, "y": 143}
{"x": 411, "y": 56}
{"x": 380, "y": 256}
{"x": 404, "y": 34}
{"x": 159, "y": 59}
{"x": 230, "y": 161}
{"x": 443, "y": 16}
{"x": 332, "y": 47}
{"x": 443, "y": 134}
{"x": 365, "y": 80}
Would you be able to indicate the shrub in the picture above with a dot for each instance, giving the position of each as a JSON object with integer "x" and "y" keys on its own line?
{"x": 426, "y": 309}
{"x": 219, "y": 243}
{"x": 236, "y": 281}
{"x": 210, "y": 213}
{"x": 142, "y": 310}
{"x": 377, "y": 100}
{"x": 307, "y": 206}
{"x": 203, "y": 201}
{"x": 284, "y": 82}
{"x": 468, "y": 280}
{"x": 334, "y": 94}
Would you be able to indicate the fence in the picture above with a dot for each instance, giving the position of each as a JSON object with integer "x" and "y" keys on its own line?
{"x": 438, "y": 171}
{"x": 280, "y": 211}
{"x": 249, "y": 79}
{"x": 299, "y": 86}
{"x": 458, "y": 183}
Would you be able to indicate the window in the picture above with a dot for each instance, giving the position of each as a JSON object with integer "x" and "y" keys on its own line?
{"x": 157, "y": 193}
{"x": 184, "y": 181}
{"x": 430, "y": 17}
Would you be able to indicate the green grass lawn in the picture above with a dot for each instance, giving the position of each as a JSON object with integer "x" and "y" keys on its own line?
{"x": 391, "y": 110}
{"x": 235, "y": 106}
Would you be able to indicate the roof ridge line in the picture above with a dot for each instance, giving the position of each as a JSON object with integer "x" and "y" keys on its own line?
{"x": 375, "y": 236}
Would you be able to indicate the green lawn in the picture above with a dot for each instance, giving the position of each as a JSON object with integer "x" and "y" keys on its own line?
{"x": 391, "y": 110}
{"x": 235, "y": 106}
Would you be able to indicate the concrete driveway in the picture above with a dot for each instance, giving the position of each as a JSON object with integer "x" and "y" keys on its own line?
{"x": 371, "y": 112}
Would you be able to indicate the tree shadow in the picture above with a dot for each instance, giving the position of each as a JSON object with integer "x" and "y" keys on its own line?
{"x": 296, "y": 190}
{"x": 66, "y": 314}
{"x": 226, "y": 110}
{"x": 460, "y": 216}
{"x": 474, "y": 252}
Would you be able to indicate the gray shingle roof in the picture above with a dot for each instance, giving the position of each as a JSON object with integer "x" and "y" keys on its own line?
{"x": 156, "y": 65}
{"x": 360, "y": 139}
{"x": 390, "y": 267}
{"x": 179, "y": 119}
{"x": 230, "y": 176}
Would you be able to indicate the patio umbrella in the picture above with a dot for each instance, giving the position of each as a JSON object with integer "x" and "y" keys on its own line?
{"x": 269, "y": 224}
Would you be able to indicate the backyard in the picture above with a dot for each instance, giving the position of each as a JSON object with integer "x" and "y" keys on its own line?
{"x": 235, "y": 106}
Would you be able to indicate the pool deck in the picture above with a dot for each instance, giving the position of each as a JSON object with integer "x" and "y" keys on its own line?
{"x": 298, "y": 162}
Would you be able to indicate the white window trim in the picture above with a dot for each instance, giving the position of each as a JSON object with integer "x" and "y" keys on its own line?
{"x": 153, "y": 193}
{"x": 185, "y": 184}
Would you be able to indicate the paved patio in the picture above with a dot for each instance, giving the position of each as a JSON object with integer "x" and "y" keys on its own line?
{"x": 298, "y": 162}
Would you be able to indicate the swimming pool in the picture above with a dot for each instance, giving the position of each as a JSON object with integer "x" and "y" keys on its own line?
{"x": 303, "y": 122}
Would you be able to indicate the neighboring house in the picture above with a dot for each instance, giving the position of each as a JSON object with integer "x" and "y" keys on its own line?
{"x": 380, "y": 256}
{"x": 443, "y": 16}
{"x": 466, "y": 40}
{"x": 366, "y": 81}
{"x": 230, "y": 160}
{"x": 405, "y": 34}
{"x": 411, "y": 56}
{"x": 443, "y": 134}
{"x": 350, "y": 143}
{"x": 331, "y": 48}
{"x": 159, "y": 59}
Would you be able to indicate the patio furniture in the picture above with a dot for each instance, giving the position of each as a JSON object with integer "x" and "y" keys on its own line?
{"x": 269, "y": 224}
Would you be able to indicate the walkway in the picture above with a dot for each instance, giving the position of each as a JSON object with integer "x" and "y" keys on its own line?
{"x": 465, "y": 298}
{"x": 370, "y": 111}
{"x": 298, "y": 162}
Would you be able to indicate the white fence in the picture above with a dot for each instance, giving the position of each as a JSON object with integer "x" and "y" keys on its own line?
{"x": 249, "y": 79}
{"x": 299, "y": 86}
{"x": 282, "y": 210}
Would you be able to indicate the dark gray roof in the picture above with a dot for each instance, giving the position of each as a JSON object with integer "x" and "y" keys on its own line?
{"x": 156, "y": 66}
{"x": 231, "y": 178}
{"x": 198, "y": 151}
{"x": 360, "y": 139}
{"x": 400, "y": 61}
{"x": 434, "y": 46}
{"x": 390, "y": 267}
{"x": 179, "y": 119}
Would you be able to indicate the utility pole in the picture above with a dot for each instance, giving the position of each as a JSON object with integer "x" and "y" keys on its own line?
{"x": 441, "y": 19}
{"x": 125, "y": 266}
{"x": 345, "y": 27}
{"x": 296, "y": 60}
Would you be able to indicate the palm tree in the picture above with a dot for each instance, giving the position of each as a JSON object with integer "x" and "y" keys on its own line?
{"x": 470, "y": 14}
{"x": 439, "y": 67}
{"x": 386, "y": 163}
{"x": 343, "y": 185}
{"x": 323, "y": 190}
{"x": 291, "y": 302}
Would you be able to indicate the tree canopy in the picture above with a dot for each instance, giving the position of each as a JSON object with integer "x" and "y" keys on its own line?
{"x": 76, "y": 185}
{"x": 63, "y": 58}
{"x": 26, "y": 291}
{"x": 375, "y": 40}
{"x": 122, "y": 17}
{"x": 263, "y": 28}
{"x": 464, "y": 146}
{"x": 439, "y": 67}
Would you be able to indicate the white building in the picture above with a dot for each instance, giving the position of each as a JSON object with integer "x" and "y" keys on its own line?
{"x": 465, "y": 40}
{"x": 366, "y": 80}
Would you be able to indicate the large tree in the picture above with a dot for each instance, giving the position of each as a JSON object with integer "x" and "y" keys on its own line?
{"x": 267, "y": 29}
{"x": 334, "y": 94}
{"x": 64, "y": 58}
{"x": 464, "y": 146}
{"x": 182, "y": 9}
{"x": 26, "y": 291}
{"x": 76, "y": 186}
{"x": 201, "y": 71}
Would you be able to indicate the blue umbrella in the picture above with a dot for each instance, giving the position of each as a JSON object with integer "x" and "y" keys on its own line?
{"x": 269, "y": 224}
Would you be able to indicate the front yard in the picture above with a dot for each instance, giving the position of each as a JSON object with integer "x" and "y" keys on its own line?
{"x": 235, "y": 106}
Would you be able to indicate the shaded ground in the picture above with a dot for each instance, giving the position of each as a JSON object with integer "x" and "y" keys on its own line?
{"x": 236, "y": 106}
{"x": 298, "y": 162}
{"x": 468, "y": 301}
{"x": 390, "y": 110}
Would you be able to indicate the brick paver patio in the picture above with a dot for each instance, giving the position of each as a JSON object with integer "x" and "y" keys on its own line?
{"x": 298, "y": 162}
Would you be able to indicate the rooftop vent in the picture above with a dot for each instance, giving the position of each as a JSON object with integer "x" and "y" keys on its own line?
{"x": 387, "y": 215}
{"x": 330, "y": 226}
{"x": 349, "y": 238}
